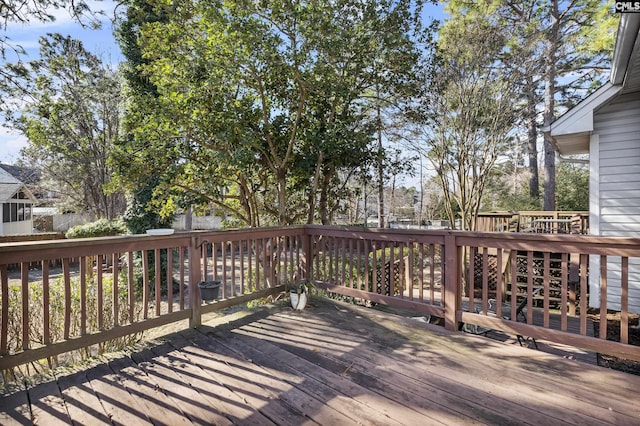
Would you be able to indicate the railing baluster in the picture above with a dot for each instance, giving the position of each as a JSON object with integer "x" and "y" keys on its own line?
{"x": 67, "y": 297}
{"x": 99, "y": 293}
{"x": 485, "y": 279}
{"x": 432, "y": 272}
{"x": 499, "y": 282}
{"x": 421, "y": 274}
{"x": 564, "y": 291}
{"x": 4, "y": 318}
{"x": 624, "y": 300}
{"x": 365, "y": 251}
{"x": 145, "y": 284}
{"x": 223, "y": 253}
{"x": 116, "y": 293}
{"x": 214, "y": 262}
{"x": 242, "y": 248}
{"x": 24, "y": 277}
{"x": 603, "y": 297}
{"x": 233, "y": 269}
{"x": 529, "y": 293}
{"x": 514, "y": 284}
{"x": 546, "y": 286}
{"x": 83, "y": 295}
{"x": 472, "y": 278}
{"x": 583, "y": 293}
{"x": 250, "y": 245}
{"x": 409, "y": 275}
{"x": 169, "y": 279}
{"x": 131, "y": 285}
{"x": 182, "y": 276}
{"x": 46, "y": 315}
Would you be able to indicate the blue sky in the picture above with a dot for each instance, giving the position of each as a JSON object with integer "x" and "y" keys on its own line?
{"x": 101, "y": 42}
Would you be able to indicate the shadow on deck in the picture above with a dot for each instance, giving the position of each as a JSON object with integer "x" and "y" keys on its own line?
{"x": 333, "y": 363}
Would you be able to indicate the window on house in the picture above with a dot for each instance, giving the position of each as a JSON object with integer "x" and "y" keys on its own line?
{"x": 16, "y": 212}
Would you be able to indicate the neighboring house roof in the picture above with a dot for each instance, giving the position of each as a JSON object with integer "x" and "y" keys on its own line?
{"x": 26, "y": 175}
{"x": 571, "y": 132}
{"x": 6, "y": 177}
{"x": 8, "y": 190}
{"x": 11, "y": 185}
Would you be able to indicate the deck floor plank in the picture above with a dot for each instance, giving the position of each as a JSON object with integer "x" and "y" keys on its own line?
{"x": 83, "y": 406}
{"x": 219, "y": 391}
{"x": 47, "y": 404}
{"x": 405, "y": 382}
{"x": 247, "y": 380}
{"x": 474, "y": 380}
{"x": 15, "y": 408}
{"x": 198, "y": 409}
{"x": 479, "y": 376}
{"x": 121, "y": 407}
{"x": 331, "y": 364}
{"x": 368, "y": 407}
{"x": 157, "y": 406}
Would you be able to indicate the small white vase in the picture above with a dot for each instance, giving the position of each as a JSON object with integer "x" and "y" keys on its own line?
{"x": 298, "y": 301}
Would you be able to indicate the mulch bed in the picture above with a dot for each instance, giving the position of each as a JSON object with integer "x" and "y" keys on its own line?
{"x": 613, "y": 334}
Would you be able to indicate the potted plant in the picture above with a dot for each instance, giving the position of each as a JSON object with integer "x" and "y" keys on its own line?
{"x": 209, "y": 290}
{"x": 299, "y": 294}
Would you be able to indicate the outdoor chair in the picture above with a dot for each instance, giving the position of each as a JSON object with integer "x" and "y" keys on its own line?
{"x": 506, "y": 314}
{"x": 521, "y": 315}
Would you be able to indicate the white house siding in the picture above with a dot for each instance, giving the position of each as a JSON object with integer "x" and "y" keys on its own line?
{"x": 17, "y": 228}
{"x": 616, "y": 198}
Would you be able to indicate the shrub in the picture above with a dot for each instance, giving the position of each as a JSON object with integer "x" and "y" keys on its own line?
{"x": 56, "y": 318}
{"x": 99, "y": 228}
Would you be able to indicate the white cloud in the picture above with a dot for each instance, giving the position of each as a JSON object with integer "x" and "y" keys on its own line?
{"x": 10, "y": 145}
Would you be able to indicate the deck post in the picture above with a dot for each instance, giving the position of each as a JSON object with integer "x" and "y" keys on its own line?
{"x": 194, "y": 277}
{"x": 306, "y": 262}
{"x": 451, "y": 299}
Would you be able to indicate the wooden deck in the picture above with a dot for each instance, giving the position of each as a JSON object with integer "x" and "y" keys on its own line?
{"x": 331, "y": 364}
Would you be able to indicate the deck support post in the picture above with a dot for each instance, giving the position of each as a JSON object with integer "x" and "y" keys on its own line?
{"x": 194, "y": 277}
{"x": 452, "y": 296}
{"x": 306, "y": 263}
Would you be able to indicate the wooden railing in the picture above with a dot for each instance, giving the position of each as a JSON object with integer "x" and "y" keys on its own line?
{"x": 525, "y": 221}
{"x": 430, "y": 272}
{"x": 68, "y": 295}
{"x": 453, "y": 275}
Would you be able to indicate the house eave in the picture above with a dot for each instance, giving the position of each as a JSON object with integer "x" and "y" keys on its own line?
{"x": 571, "y": 132}
{"x": 626, "y": 39}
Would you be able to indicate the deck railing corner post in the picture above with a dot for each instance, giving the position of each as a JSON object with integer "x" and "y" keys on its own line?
{"x": 194, "y": 277}
{"x": 452, "y": 282}
{"x": 306, "y": 263}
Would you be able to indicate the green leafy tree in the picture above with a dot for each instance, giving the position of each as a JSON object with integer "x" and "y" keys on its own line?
{"x": 262, "y": 108}
{"x": 573, "y": 187}
{"x": 140, "y": 213}
{"x": 71, "y": 117}
{"x": 23, "y": 12}
{"x": 561, "y": 50}
{"x": 472, "y": 113}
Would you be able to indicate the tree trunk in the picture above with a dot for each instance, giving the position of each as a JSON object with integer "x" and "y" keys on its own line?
{"x": 282, "y": 197}
{"x": 381, "y": 223}
{"x": 532, "y": 140}
{"x": 549, "y": 106}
